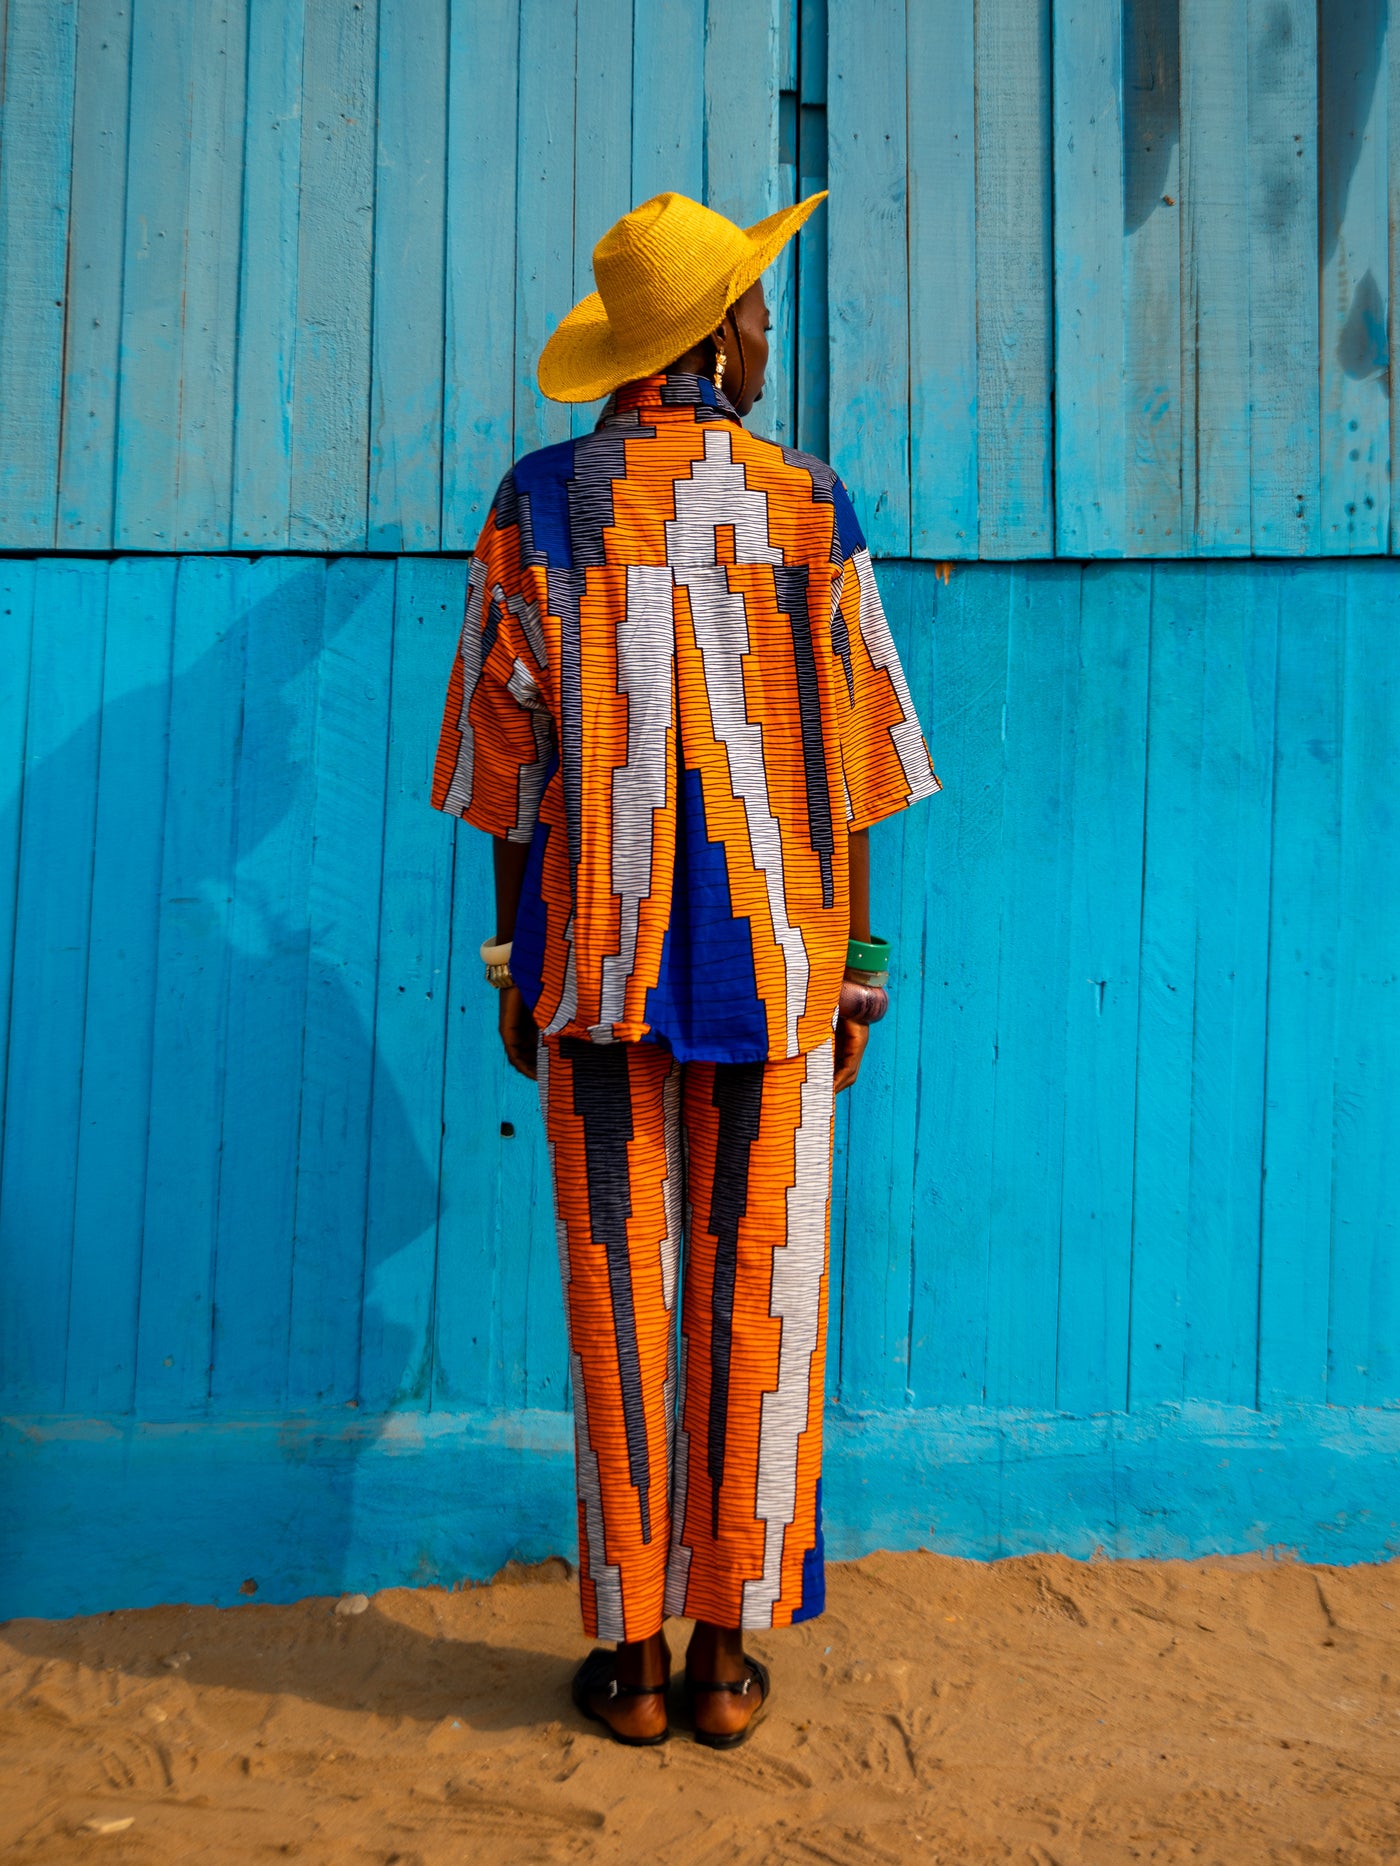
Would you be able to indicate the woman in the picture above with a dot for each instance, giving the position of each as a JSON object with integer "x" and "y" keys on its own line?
{"x": 677, "y": 708}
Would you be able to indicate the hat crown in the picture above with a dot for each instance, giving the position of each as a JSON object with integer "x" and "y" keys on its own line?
{"x": 666, "y": 275}
{"x": 670, "y": 251}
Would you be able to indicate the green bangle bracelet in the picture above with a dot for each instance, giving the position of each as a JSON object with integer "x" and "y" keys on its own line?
{"x": 868, "y": 955}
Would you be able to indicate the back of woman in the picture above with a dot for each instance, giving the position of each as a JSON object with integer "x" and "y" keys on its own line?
{"x": 679, "y": 666}
{"x": 677, "y": 708}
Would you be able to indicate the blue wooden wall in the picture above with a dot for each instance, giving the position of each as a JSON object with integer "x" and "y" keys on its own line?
{"x": 1121, "y": 1150}
{"x": 1112, "y": 278}
{"x": 1114, "y": 1261}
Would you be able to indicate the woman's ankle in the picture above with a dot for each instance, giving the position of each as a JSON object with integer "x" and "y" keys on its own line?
{"x": 716, "y": 1651}
{"x": 643, "y": 1661}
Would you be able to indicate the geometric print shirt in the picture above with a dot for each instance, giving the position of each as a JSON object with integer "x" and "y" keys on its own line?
{"x": 676, "y": 683}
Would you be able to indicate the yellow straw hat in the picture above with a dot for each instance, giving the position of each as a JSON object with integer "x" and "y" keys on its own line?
{"x": 666, "y": 273}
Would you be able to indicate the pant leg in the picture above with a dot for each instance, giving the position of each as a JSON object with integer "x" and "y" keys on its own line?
{"x": 613, "y": 1123}
{"x": 746, "y": 1514}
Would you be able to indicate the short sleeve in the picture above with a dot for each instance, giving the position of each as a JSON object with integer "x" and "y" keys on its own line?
{"x": 884, "y": 757}
{"x": 497, "y": 740}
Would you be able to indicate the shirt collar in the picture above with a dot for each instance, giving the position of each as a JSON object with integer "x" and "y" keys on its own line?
{"x": 651, "y": 396}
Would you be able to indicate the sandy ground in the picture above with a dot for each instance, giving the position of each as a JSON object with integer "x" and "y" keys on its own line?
{"x": 1035, "y": 1711}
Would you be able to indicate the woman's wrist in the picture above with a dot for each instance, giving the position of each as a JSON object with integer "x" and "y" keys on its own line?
{"x": 868, "y": 954}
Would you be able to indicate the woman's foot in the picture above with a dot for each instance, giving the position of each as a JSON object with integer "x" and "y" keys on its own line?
{"x": 639, "y": 1662}
{"x": 716, "y": 1655}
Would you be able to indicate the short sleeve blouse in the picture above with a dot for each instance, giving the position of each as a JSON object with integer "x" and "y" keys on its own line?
{"x": 676, "y": 683}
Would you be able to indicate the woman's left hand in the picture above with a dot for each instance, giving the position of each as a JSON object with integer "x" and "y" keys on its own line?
{"x": 851, "y": 1039}
{"x": 519, "y": 1032}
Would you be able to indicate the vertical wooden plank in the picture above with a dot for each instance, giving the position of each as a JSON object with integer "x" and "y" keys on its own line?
{"x": 1353, "y": 159}
{"x": 189, "y": 1043}
{"x": 1015, "y": 326}
{"x": 532, "y": 1360}
{"x": 779, "y": 409}
{"x": 347, "y": 842}
{"x": 1028, "y": 1128}
{"x": 668, "y": 120}
{"x": 468, "y": 1341}
{"x": 480, "y": 257}
{"x": 174, "y": 484}
{"x": 97, "y": 215}
{"x": 209, "y": 335}
{"x": 1089, "y": 439}
{"x": 1215, "y": 282}
{"x": 1232, "y": 832}
{"x": 16, "y": 627}
{"x": 1365, "y": 1271}
{"x": 1101, "y": 1015}
{"x": 743, "y": 175}
{"x": 268, "y": 939}
{"x": 48, "y": 1005}
{"x": 812, "y": 369}
{"x": 330, "y": 420}
{"x": 544, "y": 206}
{"x": 410, "y": 1016}
{"x": 741, "y": 110}
{"x": 962, "y": 886}
{"x": 153, "y": 280}
{"x": 836, "y": 1252}
{"x": 943, "y": 412}
{"x": 36, "y": 127}
{"x": 267, "y": 314}
{"x": 1284, "y": 435}
{"x": 884, "y": 1106}
{"x": 868, "y": 274}
{"x": 1393, "y": 144}
{"x": 1302, "y": 997}
{"x": 52, "y": 906}
{"x": 789, "y": 33}
{"x": 1152, "y": 277}
{"x": 110, "y": 1195}
{"x": 1167, "y": 986}
{"x": 405, "y": 482}
{"x": 602, "y": 144}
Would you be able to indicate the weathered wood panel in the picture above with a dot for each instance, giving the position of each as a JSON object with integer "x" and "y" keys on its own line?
{"x": 279, "y": 278}
{"x": 1122, "y": 1141}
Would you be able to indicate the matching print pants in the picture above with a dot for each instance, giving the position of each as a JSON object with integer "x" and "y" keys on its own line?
{"x": 698, "y": 1450}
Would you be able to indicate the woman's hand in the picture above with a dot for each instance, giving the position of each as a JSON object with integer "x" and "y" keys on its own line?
{"x": 851, "y": 1040}
{"x": 519, "y": 1032}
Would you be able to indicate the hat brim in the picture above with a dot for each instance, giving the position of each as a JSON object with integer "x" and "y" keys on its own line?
{"x": 583, "y": 360}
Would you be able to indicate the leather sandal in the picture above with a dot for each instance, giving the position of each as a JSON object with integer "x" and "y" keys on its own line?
{"x": 598, "y": 1673}
{"x": 739, "y": 1687}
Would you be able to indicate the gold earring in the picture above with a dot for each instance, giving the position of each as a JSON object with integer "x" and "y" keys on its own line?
{"x": 720, "y": 361}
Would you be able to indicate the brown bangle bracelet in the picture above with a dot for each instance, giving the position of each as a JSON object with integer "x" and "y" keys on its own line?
{"x": 863, "y": 1004}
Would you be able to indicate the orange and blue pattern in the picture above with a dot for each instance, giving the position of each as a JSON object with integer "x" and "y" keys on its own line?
{"x": 698, "y": 1459}
{"x": 676, "y": 683}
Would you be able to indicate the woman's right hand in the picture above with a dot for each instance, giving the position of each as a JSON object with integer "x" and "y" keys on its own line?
{"x": 519, "y": 1032}
{"x": 851, "y": 1039}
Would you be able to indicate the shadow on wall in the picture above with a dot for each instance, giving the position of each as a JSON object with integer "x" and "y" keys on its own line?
{"x": 220, "y": 1192}
{"x": 1351, "y": 46}
{"x": 1351, "y": 49}
{"x": 1151, "y": 104}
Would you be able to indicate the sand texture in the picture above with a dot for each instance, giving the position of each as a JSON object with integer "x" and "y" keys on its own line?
{"x": 1033, "y": 1711}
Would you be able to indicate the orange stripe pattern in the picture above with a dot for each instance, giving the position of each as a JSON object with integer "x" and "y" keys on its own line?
{"x": 698, "y": 1461}
{"x": 676, "y": 683}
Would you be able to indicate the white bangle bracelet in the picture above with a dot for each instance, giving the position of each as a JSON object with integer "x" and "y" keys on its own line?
{"x": 496, "y": 958}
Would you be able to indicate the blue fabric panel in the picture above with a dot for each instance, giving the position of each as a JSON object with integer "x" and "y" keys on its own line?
{"x": 813, "y": 1572}
{"x": 705, "y": 1003}
{"x": 527, "y": 944}
{"x": 848, "y": 530}
{"x": 542, "y": 487}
